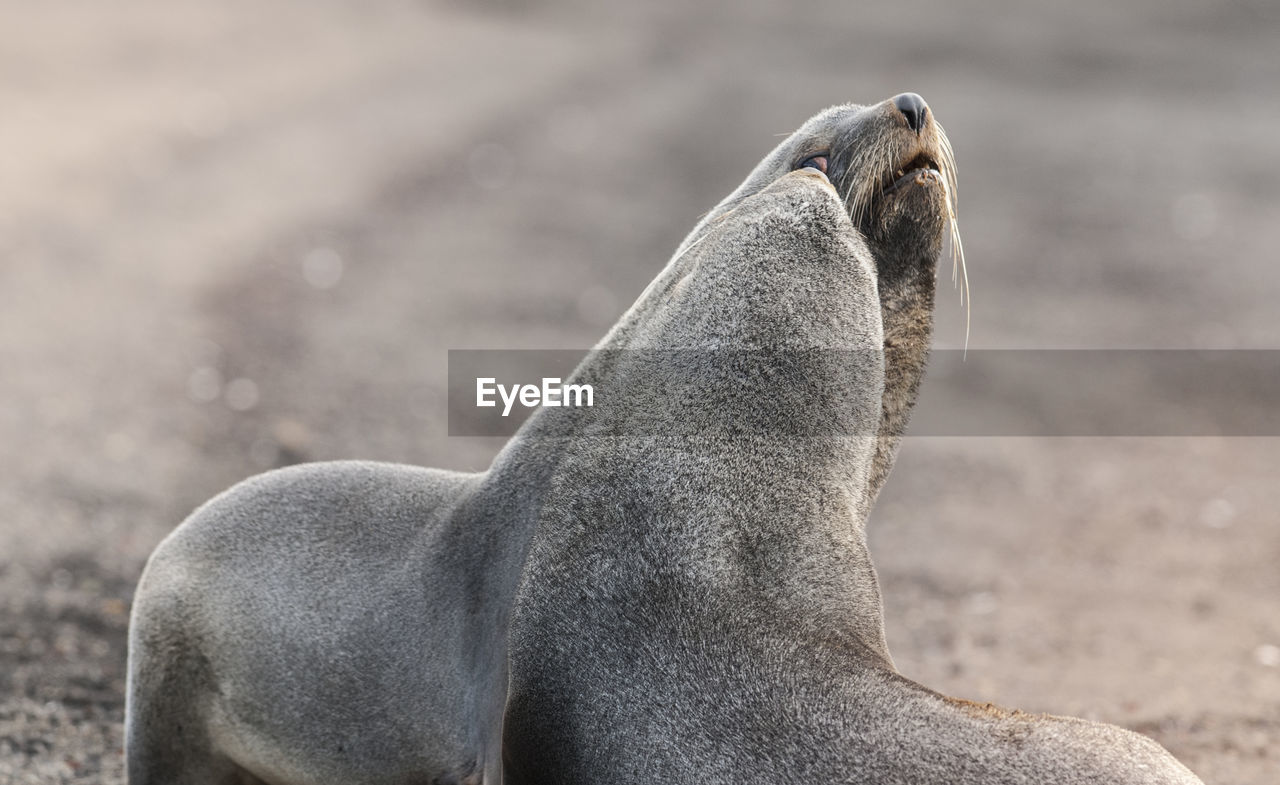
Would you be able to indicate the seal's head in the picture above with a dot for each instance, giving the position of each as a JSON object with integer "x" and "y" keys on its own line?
{"x": 852, "y": 208}
{"x": 892, "y": 166}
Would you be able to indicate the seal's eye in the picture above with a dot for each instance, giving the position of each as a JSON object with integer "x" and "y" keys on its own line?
{"x": 818, "y": 162}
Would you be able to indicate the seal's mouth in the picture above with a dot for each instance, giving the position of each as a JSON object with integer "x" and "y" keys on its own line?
{"x": 871, "y": 180}
{"x": 918, "y": 170}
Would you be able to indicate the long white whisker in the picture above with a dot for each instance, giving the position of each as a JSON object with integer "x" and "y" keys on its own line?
{"x": 959, "y": 270}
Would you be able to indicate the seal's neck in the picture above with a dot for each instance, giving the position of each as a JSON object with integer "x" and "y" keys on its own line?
{"x": 906, "y": 302}
{"x": 735, "y": 460}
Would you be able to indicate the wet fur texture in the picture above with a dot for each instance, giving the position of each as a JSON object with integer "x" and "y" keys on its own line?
{"x": 675, "y": 589}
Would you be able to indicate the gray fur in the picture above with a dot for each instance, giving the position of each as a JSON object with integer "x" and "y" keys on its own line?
{"x": 676, "y": 588}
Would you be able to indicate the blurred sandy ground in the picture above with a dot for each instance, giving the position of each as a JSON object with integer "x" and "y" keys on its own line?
{"x": 235, "y": 235}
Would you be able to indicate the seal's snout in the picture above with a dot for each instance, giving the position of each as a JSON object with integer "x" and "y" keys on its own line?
{"x": 913, "y": 108}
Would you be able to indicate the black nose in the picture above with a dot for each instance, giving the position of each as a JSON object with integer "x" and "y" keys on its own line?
{"x": 913, "y": 108}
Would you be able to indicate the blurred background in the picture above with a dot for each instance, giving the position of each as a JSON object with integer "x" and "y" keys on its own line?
{"x": 238, "y": 235}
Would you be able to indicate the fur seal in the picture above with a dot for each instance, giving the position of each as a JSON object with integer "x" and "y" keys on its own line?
{"x": 678, "y": 588}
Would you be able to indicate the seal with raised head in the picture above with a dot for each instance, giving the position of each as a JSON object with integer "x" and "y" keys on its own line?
{"x": 671, "y": 586}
